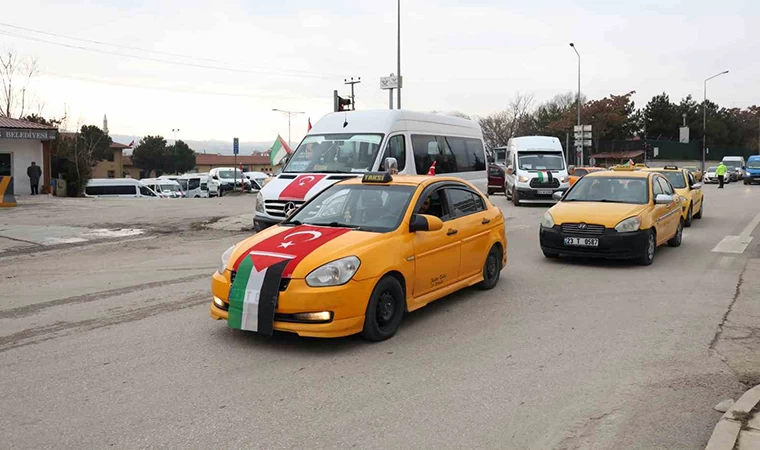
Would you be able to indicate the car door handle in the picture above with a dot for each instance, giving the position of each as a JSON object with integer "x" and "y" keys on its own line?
{"x": 452, "y": 232}
{"x": 485, "y": 221}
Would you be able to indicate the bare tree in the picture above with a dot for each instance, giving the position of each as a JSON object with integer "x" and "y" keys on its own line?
{"x": 15, "y": 73}
{"x": 513, "y": 121}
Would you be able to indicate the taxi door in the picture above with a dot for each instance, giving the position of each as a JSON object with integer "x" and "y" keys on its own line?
{"x": 437, "y": 254}
{"x": 695, "y": 194}
{"x": 473, "y": 228}
{"x": 667, "y": 216}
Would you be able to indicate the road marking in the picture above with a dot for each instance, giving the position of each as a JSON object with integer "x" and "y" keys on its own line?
{"x": 737, "y": 244}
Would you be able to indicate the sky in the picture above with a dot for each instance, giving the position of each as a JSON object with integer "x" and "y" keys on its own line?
{"x": 215, "y": 70}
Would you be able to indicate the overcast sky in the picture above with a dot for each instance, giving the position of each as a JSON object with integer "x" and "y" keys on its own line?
{"x": 468, "y": 56}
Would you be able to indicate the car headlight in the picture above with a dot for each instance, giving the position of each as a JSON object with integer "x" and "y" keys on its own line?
{"x": 259, "y": 202}
{"x": 522, "y": 179}
{"x": 548, "y": 220}
{"x": 628, "y": 225}
{"x": 564, "y": 179}
{"x": 334, "y": 273}
{"x": 226, "y": 258}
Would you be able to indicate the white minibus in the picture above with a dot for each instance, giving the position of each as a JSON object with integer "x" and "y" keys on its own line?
{"x": 118, "y": 187}
{"x": 536, "y": 169}
{"x": 347, "y": 144}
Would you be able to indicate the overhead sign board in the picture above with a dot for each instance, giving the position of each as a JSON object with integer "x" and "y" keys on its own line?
{"x": 391, "y": 82}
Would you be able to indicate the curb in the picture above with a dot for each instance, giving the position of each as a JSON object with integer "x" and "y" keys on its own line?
{"x": 727, "y": 430}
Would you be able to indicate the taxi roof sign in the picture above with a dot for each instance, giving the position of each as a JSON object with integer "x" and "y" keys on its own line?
{"x": 671, "y": 167}
{"x": 624, "y": 168}
{"x": 377, "y": 177}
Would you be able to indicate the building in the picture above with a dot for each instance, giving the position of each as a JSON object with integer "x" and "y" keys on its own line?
{"x": 205, "y": 162}
{"x": 250, "y": 163}
{"x": 113, "y": 167}
{"x": 22, "y": 143}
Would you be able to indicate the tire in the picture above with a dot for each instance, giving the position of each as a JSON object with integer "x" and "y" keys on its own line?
{"x": 490, "y": 192}
{"x": 385, "y": 310}
{"x": 491, "y": 269}
{"x": 698, "y": 215}
{"x": 745, "y": 182}
{"x": 648, "y": 257}
{"x": 550, "y": 255}
{"x": 689, "y": 218}
{"x": 675, "y": 241}
{"x": 515, "y": 197}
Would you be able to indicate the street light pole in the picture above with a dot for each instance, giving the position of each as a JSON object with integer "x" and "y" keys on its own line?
{"x": 704, "y": 119}
{"x": 289, "y": 114}
{"x": 175, "y": 130}
{"x": 398, "y": 54}
{"x": 578, "y": 100}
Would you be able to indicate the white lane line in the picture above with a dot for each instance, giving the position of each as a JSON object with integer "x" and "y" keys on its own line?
{"x": 737, "y": 244}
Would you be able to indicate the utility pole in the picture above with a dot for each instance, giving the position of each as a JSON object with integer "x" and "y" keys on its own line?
{"x": 289, "y": 114}
{"x": 704, "y": 120}
{"x": 398, "y": 54}
{"x": 579, "y": 150}
{"x": 175, "y": 131}
{"x": 352, "y": 82}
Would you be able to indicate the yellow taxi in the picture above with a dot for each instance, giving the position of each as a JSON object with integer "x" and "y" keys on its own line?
{"x": 620, "y": 214}
{"x": 359, "y": 255}
{"x": 692, "y": 197}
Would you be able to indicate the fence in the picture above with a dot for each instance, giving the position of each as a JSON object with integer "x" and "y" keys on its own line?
{"x": 673, "y": 151}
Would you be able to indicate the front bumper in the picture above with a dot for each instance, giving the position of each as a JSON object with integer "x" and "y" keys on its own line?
{"x": 348, "y": 304}
{"x": 529, "y": 195}
{"x": 752, "y": 178}
{"x": 612, "y": 245}
{"x": 262, "y": 222}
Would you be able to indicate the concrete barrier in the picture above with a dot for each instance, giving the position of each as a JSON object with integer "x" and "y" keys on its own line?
{"x": 7, "y": 199}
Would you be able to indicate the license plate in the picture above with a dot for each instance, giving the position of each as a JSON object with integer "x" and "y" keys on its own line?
{"x": 545, "y": 192}
{"x": 582, "y": 242}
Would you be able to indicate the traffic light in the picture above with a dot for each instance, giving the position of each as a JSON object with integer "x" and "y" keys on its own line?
{"x": 340, "y": 103}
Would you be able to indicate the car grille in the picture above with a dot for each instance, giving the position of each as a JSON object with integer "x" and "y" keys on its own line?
{"x": 583, "y": 229}
{"x": 276, "y": 208}
{"x": 553, "y": 184}
{"x": 284, "y": 282}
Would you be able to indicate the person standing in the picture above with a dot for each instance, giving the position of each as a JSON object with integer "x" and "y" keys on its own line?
{"x": 720, "y": 172}
{"x": 34, "y": 173}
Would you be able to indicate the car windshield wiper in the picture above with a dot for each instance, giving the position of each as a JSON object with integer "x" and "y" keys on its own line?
{"x": 336, "y": 224}
{"x": 293, "y": 222}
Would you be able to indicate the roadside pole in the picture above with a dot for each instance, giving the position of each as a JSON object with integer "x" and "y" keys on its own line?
{"x": 235, "y": 151}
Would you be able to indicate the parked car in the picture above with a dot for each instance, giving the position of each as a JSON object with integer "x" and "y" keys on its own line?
{"x": 496, "y": 179}
{"x": 710, "y": 178}
{"x": 752, "y": 171}
{"x": 119, "y": 187}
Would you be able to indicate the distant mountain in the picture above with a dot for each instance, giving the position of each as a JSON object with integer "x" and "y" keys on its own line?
{"x": 212, "y": 147}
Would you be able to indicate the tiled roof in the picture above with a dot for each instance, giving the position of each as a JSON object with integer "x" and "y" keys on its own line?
{"x": 16, "y": 123}
{"x": 117, "y": 145}
{"x": 203, "y": 159}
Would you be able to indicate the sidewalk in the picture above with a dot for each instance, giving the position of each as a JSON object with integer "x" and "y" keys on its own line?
{"x": 739, "y": 428}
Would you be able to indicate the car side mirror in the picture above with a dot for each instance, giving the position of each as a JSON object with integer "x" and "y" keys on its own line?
{"x": 571, "y": 169}
{"x": 509, "y": 170}
{"x": 696, "y": 186}
{"x": 558, "y": 195}
{"x": 424, "y": 222}
{"x": 663, "y": 199}
{"x": 390, "y": 165}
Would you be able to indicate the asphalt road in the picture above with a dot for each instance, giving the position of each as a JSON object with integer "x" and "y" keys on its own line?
{"x": 110, "y": 344}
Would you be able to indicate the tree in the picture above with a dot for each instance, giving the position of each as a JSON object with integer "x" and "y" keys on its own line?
{"x": 661, "y": 118}
{"x": 76, "y": 155}
{"x": 150, "y": 154}
{"x": 499, "y": 127}
{"x": 15, "y": 73}
{"x": 613, "y": 117}
{"x": 179, "y": 158}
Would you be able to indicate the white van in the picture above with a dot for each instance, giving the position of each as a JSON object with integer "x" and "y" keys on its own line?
{"x": 736, "y": 165}
{"x": 257, "y": 179}
{"x": 227, "y": 177}
{"x": 165, "y": 187}
{"x": 347, "y": 144}
{"x": 197, "y": 185}
{"x": 536, "y": 169}
{"x": 118, "y": 187}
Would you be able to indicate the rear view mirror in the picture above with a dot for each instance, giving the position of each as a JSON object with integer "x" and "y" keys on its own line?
{"x": 663, "y": 199}
{"x": 424, "y": 222}
{"x": 509, "y": 170}
{"x": 571, "y": 169}
{"x": 696, "y": 186}
{"x": 558, "y": 195}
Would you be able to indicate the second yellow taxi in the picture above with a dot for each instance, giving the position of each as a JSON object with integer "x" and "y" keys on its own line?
{"x": 359, "y": 255}
{"x": 692, "y": 197}
{"x": 620, "y": 214}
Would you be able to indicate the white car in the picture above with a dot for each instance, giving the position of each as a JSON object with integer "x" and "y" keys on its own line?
{"x": 710, "y": 178}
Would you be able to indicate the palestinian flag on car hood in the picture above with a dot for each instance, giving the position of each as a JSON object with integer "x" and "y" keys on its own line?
{"x": 260, "y": 269}
{"x": 544, "y": 177}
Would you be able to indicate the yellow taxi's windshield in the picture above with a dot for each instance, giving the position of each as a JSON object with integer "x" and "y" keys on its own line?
{"x": 328, "y": 153}
{"x": 609, "y": 189}
{"x": 366, "y": 207}
{"x": 675, "y": 178}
